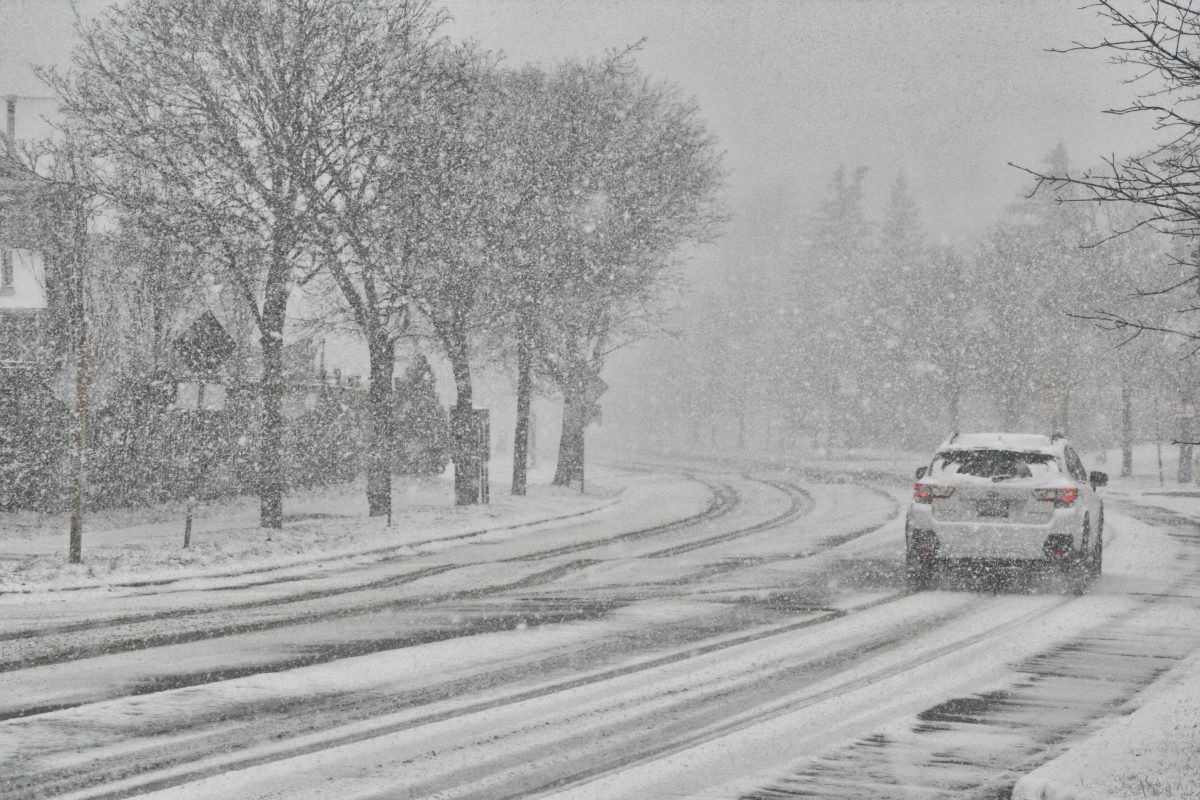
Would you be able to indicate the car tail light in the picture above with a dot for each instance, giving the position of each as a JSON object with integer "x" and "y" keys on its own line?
{"x": 928, "y": 492}
{"x": 1062, "y": 498}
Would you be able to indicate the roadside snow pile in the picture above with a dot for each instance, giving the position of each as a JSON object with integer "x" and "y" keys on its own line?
{"x": 139, "y": 547}
{"x": 1153, "y": 752}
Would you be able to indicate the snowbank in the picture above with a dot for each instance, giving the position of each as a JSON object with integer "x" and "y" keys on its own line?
{"x": 1152, "y": 752}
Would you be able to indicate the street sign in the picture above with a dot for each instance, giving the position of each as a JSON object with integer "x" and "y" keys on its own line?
{"x": 205, "y": 345}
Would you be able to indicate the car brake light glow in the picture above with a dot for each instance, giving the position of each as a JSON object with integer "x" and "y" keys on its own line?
{"x": 927, "y": 492}
{"x": 1062, "y": 498}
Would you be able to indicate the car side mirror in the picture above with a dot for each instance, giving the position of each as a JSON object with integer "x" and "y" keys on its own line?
{"x": 1098, "y": 479}
{"x": 921, "y": 472}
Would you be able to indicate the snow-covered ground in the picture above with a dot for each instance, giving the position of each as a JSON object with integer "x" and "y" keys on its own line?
{"x": 1152, "y": 750}
{"x": 143, "y": 546}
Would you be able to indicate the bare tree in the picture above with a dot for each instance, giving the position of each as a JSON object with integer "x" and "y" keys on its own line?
{"x": 835, "y": 260}
{"x": 639, "y": 178}
{"x": 377, "y": 159}
{"x": 445, "y": 205}
{"x": 1159, "y": 40}
{"x": 228, "y": 107}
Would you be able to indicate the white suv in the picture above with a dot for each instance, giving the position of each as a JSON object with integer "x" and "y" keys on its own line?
{"x": 1015, "y": 499}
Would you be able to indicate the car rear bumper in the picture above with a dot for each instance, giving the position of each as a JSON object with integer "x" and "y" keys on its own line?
{"x": 969, "y": 541}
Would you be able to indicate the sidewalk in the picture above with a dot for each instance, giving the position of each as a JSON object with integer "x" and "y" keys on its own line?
{"x": 131, "y": 547}
{"x": 1153, "y": 752}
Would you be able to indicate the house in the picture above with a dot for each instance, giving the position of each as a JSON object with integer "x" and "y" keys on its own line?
{"x": 22, "y": 291}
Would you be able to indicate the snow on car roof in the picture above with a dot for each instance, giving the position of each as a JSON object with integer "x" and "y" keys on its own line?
{"x": 1000, "y": 441}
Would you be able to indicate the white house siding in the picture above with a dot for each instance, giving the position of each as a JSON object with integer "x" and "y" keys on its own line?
{"x": 21, "y": 280}
{"x": 22, "y": 293}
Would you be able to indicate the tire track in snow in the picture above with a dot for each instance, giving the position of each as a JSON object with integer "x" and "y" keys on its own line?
{"x": 798, "y": 505}
{"x": 725, "y": 500}
{"x": 233, "y": 756}
{"x": 796, "y": 699}
{"x": 978, "y": 746}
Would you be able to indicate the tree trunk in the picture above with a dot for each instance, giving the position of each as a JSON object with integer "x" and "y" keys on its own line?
{"x": 1064, "y": 422}
{"x": 271, "y": 322}
{"x": 462, "y": 428}
{"x": 1014, "y": 391}
{"x": 524, "y": 398}
{"x": 270, "y": 445}
{"x": 955, "y": 392}
{"x": 569, "y": 471}
{"x": 1126, "y": 429}
{"x": 79, "y": 451}
{"x": 382, "y": 353}
{"x": 741, "y": 425}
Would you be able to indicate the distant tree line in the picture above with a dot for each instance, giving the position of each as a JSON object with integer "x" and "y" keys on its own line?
{"x": 347, "y": 158}
{"x": 1074, "y": 312}
{"x": 846, "y": 331}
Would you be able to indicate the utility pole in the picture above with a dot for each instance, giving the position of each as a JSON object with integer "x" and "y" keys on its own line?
{"x": 10, "y": 149}
{"x": 71, "y": 206}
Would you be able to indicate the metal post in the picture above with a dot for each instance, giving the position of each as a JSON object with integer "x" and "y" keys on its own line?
{"x": 78, "y": 212}
{"x": 1158, "y": 440}
{"x": 192, "y": 468}
{"x": 187, "y": 527}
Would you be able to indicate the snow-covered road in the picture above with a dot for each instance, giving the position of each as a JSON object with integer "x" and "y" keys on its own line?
{"x": 738, "y": 632}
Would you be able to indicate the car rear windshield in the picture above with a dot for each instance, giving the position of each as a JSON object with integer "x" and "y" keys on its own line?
{"x": 997, "y": 465}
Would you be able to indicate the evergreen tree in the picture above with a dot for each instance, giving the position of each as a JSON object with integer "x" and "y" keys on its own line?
{"x": 421, "y": 430}
{"x": 1032, "y": 268}
{"x": 836, "y": 266}
{"x": 898, "y": 303}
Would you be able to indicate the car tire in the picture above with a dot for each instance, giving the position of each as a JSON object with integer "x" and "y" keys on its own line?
{"x": 1096, "y": 557}
{"x": 1078, "y": 574}
{"x": 1078, "y": 570}
{"x": 918, "y": 573}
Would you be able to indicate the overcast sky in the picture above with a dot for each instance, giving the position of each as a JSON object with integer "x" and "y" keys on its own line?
{"x": 949, "y": 91}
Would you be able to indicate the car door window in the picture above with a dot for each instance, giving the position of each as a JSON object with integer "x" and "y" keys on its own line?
{"x": 1075, "y": 466}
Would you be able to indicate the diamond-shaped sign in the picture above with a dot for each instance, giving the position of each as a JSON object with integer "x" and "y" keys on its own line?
{"x": 205, "y": 345}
